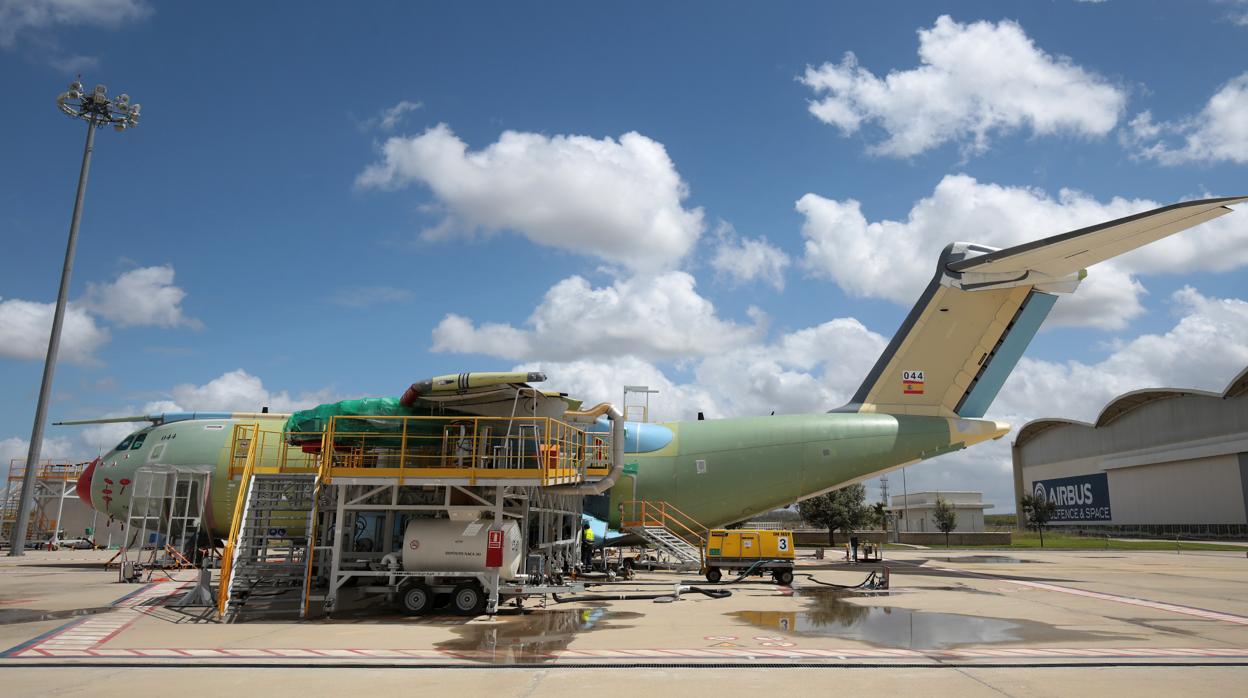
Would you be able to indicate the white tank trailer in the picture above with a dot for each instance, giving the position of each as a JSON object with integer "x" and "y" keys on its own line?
{"x": 447, "y": 546}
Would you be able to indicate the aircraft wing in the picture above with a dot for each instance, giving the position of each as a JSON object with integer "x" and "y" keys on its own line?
{"x": 971, "y": 325}
{"x": 1068, "y": 253}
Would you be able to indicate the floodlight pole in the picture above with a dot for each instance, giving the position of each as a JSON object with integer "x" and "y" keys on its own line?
{"x": 97, "y": 110}
{"x": 17, "y": 542}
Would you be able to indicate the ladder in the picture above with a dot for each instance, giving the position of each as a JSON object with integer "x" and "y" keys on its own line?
{"x": 667, "y": 529}
{"x": 268, "y": 565}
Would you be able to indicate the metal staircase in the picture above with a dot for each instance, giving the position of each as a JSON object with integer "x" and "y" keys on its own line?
{"x": 267, "y": 560}
{"x": 687, "y": 556}
{"x": 668, "y": 530}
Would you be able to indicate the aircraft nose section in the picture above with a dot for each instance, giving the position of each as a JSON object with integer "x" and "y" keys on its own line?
{"x": 84, "y": 483}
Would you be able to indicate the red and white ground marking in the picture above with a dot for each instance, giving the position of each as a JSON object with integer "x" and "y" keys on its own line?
{"x": 1131, "y": 600}
{"x": 1158, "y": 605}
{"x": 85, "y": 639}
{"x": 757, "y": 653}
{"x": 87, "y": 635}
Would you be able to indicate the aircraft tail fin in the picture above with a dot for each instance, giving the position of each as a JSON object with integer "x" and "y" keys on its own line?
{"x": 974, "y": 320}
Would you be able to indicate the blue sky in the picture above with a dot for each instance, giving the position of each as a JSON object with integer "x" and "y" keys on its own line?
{"x": 329, "y": 200}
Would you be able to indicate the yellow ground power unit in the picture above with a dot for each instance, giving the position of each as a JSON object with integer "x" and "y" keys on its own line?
{"x": 754, "y": 550}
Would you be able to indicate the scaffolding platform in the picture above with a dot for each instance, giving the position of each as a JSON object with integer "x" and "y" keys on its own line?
{"x": 55, "y": 481}
{"x": 370, "y": 480}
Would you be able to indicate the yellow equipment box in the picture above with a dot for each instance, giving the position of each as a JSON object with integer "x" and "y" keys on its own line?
{"x": 752, "y": 550}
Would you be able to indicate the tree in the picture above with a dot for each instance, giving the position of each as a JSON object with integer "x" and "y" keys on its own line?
{"x": 879, "y": 516}
{"x": 946, "y": 517}
{"x": 1037, "y": 511}
{"x": 843, "y": 509}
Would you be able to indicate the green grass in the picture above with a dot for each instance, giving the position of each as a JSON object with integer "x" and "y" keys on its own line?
{"x": 1058, "y": 541}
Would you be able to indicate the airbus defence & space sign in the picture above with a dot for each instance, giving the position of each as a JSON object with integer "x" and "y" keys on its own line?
{"x": 1082, "y": 498}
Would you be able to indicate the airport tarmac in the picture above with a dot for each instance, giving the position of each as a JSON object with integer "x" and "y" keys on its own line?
{"x": 965, "y": 622}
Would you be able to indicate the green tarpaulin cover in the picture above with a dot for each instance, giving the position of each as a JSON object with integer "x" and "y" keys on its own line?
{"x": 306, "y": 425}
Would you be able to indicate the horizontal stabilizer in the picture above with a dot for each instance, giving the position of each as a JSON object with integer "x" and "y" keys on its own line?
{"x": 970, "y": 327}
{"x": 1068, "y": 253}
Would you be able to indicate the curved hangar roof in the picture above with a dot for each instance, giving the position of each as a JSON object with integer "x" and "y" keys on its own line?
{"x": 1129, "y": 402}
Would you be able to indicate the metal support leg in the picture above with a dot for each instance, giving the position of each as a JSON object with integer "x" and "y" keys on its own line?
{"x": 335, "y": 553}
{"x": 60, "y": 509}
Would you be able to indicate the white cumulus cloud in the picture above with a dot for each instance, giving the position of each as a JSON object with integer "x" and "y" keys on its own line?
{"x": 974, "y": 80}
{"x": 391, "y": 117}
{"x": 17, "y": 448}
{"x": 144, "y": 296}
{"x": 602, "y": 380}
{"x": 743, "y": 259}
{"x": 238, "y": 391}
{"x": 1218, "y": 133}
{"x": 810, "y": 370}
{"x": 618, "y": 200}
{"x": 651, "y": 316}
{"x": 18, "y": 16}
{"x": 895, "y": 259}
{"x": 25, "y": 327}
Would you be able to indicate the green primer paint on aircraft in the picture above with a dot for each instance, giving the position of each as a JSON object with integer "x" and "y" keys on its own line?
{"x": 924, "y": 396}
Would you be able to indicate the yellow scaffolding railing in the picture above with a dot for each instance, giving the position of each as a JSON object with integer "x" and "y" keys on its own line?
{"x": 47, "y": 469}
{"x": 269, "y": 451}
{"x": 640, "y": 513}
{"x": 542, "y": 449}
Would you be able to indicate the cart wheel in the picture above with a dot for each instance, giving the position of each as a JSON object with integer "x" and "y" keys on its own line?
{"x": 784, "y": 577}
{"x": 416, "y": 599}
{"x": 468, "y": 599}
{"x": 713, "y": 575}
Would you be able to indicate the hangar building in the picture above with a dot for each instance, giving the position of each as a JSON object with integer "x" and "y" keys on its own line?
{"x": 1157, "y": 462}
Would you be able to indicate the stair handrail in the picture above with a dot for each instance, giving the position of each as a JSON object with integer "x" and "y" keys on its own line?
{"x": 664, "y": 514}
{"x": 236, "y": 523}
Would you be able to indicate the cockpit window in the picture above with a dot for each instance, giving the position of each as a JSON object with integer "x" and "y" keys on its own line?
{"x": 125, "y": 443}
{"x": 138, "y": 441}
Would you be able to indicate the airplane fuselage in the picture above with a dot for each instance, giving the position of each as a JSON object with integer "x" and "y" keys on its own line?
{"x": 716, "y": 471}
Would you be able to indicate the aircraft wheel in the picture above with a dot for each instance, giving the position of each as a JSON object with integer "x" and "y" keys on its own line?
{"x": 784, "y": 577}
{"x": 713, "y": 575}
{"x": 468, "y": 599}
{"x": 416, "y": 600}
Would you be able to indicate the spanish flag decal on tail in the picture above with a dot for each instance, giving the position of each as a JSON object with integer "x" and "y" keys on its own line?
{"x": 912, "y": 382}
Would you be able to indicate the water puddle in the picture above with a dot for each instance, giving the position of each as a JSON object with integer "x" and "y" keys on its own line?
{"x": 11, "y": 616}
{"x": 836, "y": 614}
{"x": 529, "y": 637}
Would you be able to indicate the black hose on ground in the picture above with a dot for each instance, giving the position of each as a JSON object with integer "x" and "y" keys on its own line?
{"x": 871, "y": 582}
{"x": 712, "y": 593}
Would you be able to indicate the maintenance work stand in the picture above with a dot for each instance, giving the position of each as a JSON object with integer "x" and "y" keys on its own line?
{"x": 463, "y": 511}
